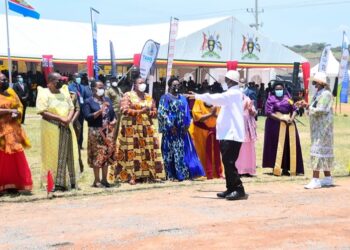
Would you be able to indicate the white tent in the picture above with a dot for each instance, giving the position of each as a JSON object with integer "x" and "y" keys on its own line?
{"x": 332, "y": 71}
{"x": 230, "y": 40}
{"x": 73, "y": 40}
{"x": 332, "y": 66}
{"x": 206, "y": 40}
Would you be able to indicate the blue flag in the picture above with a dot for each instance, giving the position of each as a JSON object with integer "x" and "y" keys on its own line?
{"x": 94, "y": 39}
{"x": 345, "y": 88}
{"x": 23, "y": 8}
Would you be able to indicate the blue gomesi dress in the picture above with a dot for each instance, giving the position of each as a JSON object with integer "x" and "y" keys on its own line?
{"x": 180, "y": 157}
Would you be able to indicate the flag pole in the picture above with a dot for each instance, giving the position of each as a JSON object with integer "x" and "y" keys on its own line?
{"x": 8, "y": 45}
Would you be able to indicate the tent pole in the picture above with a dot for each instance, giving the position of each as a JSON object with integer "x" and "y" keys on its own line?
{"x": 8, "y": 45}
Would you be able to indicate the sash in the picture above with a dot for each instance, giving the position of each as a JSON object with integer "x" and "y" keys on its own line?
{"x": 292, "y": 147}
{"x": 211, "y": 145}
{"x": 65, "y": 155}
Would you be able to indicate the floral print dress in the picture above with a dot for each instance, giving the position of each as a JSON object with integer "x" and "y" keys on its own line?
{"x": 321, "y": 126}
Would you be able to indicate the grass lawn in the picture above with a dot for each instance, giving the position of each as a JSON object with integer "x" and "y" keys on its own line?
{"x": 341, "y": 149}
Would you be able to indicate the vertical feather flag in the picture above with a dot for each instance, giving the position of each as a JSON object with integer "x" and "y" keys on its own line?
{"x": 114, "y": 66}
{"x": 343, "y": 70}
{"x": 94, "y": 14}
{"x": 335, "y": 88}
{"x": 23, "y": 8}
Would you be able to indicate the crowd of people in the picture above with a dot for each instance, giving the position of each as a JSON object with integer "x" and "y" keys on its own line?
{"x": 203, "y": 131}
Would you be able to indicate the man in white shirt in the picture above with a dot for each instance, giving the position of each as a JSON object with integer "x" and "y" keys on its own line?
{"x": 229, "y": 130}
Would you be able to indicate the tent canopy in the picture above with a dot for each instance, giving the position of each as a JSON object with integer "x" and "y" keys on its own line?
{"x": 230, "y": 40}
{"x": 332, "y": 69}
{"x": 210, "y": 41}
{"x": 73, "y": 40}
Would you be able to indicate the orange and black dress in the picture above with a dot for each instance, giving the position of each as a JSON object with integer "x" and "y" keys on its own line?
{"x": 14, "y": 169}
{"x": 139, "y": 155}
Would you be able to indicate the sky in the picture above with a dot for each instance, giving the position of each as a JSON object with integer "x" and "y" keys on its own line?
{"x": 287, "y": 22}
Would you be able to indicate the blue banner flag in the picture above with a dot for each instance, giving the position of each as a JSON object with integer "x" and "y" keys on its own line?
{"x": 345, "y": 88}
{"x": 94, "y": 39}
{"x": 343, "y": 70}
{"x": 23, "y": 8}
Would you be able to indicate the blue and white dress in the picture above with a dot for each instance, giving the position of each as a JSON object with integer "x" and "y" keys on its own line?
{"x": 179, "y": 154}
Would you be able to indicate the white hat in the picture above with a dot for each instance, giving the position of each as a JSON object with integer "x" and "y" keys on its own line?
{"x": 233, "y": 75}
{"x": 320, "y": 77}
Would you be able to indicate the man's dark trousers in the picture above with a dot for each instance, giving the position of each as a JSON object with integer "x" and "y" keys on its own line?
{"x": 230, "y": 152}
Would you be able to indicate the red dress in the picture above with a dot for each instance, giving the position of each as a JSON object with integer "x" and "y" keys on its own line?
{"x": 14, "y": 169}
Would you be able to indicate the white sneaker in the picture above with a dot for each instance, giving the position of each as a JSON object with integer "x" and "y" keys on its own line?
{"x": 327, "y": 181}
{"x": 314, "y": 183}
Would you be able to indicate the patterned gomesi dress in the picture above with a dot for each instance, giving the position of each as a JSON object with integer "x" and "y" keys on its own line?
{"x": 138, "y": 155}
{"x": 321, "y": 126}
{"x": 179, "y": 154}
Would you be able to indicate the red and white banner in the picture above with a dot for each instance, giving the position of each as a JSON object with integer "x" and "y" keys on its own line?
{"x": 47, "y": 65}
{"x": 171, "y": 48}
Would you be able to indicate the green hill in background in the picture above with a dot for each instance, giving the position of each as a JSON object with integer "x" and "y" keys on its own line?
{"x": 313, "y": 51}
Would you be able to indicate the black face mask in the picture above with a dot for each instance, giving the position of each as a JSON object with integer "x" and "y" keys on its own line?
{"x": 59, "y": 84}
{"x": 175, "y": 89}
{"x": 4, "y": 85}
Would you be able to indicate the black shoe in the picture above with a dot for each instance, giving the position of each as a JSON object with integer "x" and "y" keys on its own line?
{"x": 105, "y": 184}
{"x": 285, "y": 172}
{"x": 59, "y": 188}
{"x": 223, "y": 194}
{"x": 237, "y": 194}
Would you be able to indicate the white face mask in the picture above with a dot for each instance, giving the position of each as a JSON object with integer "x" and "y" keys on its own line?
{"x": 114, "y": 84}
{"x": 224, "y": 86}
{"x": 142, "y": 87}
{"x": 100, "y": 92}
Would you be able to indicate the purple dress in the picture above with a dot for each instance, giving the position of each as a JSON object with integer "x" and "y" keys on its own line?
{"x": 272, "y": 126}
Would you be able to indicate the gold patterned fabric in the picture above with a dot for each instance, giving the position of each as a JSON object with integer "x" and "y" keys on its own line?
{"x": 138, "y": 155}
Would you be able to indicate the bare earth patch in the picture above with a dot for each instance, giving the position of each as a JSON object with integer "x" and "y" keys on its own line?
{"x": 277, "y": 215}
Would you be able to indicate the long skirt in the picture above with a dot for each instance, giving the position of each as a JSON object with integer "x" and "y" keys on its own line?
{"x": 276, "y": 155}
{"x": 246, "y": 162}
{"x": 50, "y": 149}
{"x": 138, "y": 154}
{"x": 14, "y": 172}
{"x": 180, "y": 158}
{"x": 101, "y": 147}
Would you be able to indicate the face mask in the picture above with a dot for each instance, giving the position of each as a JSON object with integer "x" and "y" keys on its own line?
{"x": 142, "y": 87}
{"x": 4, "y": 85}
{"x": 279, "y": 93}
{"x": 78, "y": 80}
{"x": 100, "y": 92}
{"x": 59, "y": 84}
{"x": 224, "y": 86}
{"x": 20, "y": 80}
{"x": 108, "y": 84}
{"x": 176, "y": 89}
{"x": 114, "y": 84}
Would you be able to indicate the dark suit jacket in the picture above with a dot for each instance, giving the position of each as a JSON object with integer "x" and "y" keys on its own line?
{"x": 23, "y": 93}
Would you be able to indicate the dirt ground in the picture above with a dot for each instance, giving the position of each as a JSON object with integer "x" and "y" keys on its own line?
{"x": 277, "y": 215}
